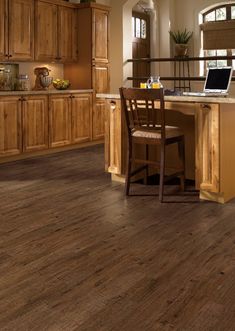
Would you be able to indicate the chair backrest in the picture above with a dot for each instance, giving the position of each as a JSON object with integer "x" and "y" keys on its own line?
{"x": 143, "y": 108}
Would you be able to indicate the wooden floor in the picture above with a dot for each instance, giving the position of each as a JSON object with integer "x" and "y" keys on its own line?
{"x": 75, "y": 254}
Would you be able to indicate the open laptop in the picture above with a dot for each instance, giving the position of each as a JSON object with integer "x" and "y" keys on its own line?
{"x": 217, "y": 82}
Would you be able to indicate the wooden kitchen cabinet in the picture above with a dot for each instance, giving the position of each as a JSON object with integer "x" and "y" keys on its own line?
{"x": 60, "y": 120}
{"x": 81, "y": 109}
{"x": 17, "y": 30}
{"x": 55, "y": 32}
{"x": 98, "y": 119}
{"x": 70, "y": 119}
{"x": 2, "y": 30}
{"x": 100, "y": 77}
{"x": 35, "y": 122}
{"x": 100, "y": 35}
{"x": 92, "y": 69}
{"x": 45, "y": 31}
{"x": 10, "y": 126}
{"x": 67, "y": 34}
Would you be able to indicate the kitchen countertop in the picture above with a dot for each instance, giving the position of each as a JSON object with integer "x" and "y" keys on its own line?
{"x": 172, "y": 98}
{"x": 46, "y": 92}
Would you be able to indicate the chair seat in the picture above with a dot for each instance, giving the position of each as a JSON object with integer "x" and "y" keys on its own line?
{"x": 155, "y": 133}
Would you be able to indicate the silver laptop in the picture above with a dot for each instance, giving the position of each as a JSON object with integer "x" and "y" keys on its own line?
{"x": 216, "y": 84}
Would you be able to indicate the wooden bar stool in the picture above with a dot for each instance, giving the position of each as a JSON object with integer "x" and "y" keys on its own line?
{"x": 144, "y": 112}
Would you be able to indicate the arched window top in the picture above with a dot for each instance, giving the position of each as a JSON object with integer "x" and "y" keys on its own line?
{"x": 218, "y": 34}
{"x": 225, "y": 12}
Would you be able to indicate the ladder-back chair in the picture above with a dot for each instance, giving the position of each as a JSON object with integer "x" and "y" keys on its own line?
{"x": 144, "y": 111}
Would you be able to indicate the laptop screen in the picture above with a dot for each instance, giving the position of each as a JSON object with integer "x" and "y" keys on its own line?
{"x": 218, "y": 79}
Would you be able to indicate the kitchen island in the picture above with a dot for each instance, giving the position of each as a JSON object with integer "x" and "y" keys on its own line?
{"x": 208, "y": 124}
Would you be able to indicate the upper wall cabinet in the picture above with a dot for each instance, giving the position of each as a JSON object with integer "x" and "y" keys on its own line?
{"x": 45, "y": 31}
{"x": 100, "y": 35}
{"x": 17, "y": 29}
{"x": 2, "y": 30}
{"x": 55, "y": 32}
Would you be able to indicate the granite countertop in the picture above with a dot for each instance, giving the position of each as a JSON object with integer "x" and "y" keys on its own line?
{"x": 46, "y": 92}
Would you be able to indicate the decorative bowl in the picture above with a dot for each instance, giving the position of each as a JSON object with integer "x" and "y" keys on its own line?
{"x": 46, "y": 81}
{"x": 61, "y": 84}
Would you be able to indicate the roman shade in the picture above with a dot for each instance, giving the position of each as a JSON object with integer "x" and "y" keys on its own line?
{"x": 218, "y": 35}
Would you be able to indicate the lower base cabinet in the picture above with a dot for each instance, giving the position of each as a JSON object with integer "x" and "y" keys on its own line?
{"x": 70, "y": 119}
{"x": 98, "y": 119}
{"x": 10, "y": 126}
{"x": 35, "y": 123}
{"x": 81, "y": 115}
{"x": 60, "y": 120}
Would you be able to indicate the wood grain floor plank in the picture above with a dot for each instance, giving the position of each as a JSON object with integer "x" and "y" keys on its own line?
{"x": 76, "y": 254}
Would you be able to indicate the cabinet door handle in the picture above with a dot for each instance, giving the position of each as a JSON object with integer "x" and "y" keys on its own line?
{"x": 113, "y": 105}
{"x": 205, "y": 106}
{"x": 10, "y": 55}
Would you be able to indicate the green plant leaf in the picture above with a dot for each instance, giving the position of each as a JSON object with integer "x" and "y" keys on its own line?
{"x": 181, "y": 37}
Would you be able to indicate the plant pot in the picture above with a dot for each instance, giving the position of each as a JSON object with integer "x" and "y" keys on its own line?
{"x": 181, "y": 49}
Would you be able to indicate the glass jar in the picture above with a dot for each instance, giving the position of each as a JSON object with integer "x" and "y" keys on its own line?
{"x": 2, "y": 79}
{"x": 23, "y": 83}
{"x": 154, "y": 82}
{"x": 5, "y": 79}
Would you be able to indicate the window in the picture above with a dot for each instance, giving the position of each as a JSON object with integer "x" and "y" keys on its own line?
{"x": 139, "y": 27}
{"x": 218, "y": 30}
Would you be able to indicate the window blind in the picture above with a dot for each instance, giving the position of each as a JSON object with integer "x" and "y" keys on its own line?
{"x": 218, "y": 35}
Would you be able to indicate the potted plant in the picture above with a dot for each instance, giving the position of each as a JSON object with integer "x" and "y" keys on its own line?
{"x": 181, "y": 39}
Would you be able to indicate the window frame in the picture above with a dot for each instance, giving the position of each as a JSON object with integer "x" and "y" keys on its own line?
{"x": 228, "y": 8}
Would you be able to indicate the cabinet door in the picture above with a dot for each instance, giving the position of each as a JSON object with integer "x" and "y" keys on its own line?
{"x": 10, "y": 126}
{"x": 115, "y": 138}
{"x": 207, "y": 147}
{"x": 98, "y": 119}
{"x": 81, "y": 118}
{"x": 35, "y": 123}
{"x": 2, "y": 30}
{"x": 60, "y": 120}
{"x": 67, "y": 34}
{"x": 100, "y": 77}
{"x": 21, "y": 30}
{"x": 100, "y": 36}
{"x": 45, "y": 31}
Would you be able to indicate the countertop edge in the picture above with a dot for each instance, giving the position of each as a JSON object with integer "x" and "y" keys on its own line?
{"x": 179, "y": 98}
{"x": 44, "y": 92}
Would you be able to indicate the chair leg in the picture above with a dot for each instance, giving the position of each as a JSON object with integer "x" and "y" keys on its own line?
{"x": 162, "y": 173}
{"x": 128, "y": 169}
{"x": 147, "y": 168}
{"x": 181, "y": 149}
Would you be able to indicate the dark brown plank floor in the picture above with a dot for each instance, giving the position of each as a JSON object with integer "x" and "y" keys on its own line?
{"x": 75, "y": 254}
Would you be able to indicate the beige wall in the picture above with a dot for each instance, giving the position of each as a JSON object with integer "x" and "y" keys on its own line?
{"x": 174, "y": 14}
